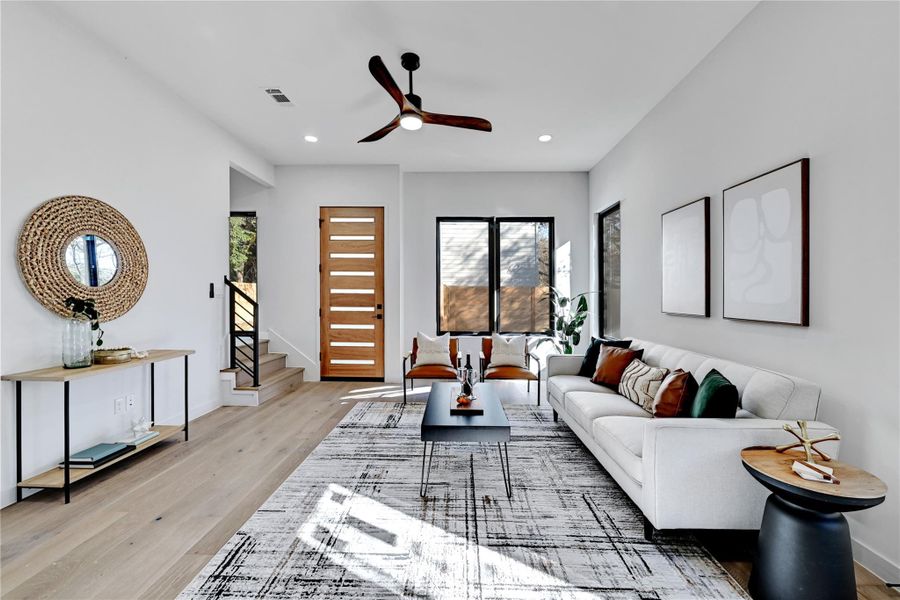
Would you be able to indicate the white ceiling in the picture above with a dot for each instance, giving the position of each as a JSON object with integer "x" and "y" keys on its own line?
{"x": 585, "y": 72}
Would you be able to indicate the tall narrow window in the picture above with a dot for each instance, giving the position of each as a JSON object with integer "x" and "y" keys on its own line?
{"x": 242, "y": 262}
{"x": 464, "y": 278}
{"x": 494, "y": 274}
{"x": 610, "y": 270}
{"x": 525, "y": 265}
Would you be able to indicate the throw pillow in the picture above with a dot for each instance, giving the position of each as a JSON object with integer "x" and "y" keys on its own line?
{"x": 640, "y": 383}
{"x": 612, "y": 363}
{"x": 716, "y": 398}
{"x": 433, "y": 350}
{"x": 676, "y": 395}
{"x": 592, "y": 354}
{"x": 508, "y": 352}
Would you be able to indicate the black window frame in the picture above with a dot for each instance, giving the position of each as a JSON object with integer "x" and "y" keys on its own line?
{"x": 601, "y": 308}
{"x": 494, "y": 272}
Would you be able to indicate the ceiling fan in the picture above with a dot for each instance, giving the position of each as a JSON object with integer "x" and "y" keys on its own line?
{"x": 411, "y": 114}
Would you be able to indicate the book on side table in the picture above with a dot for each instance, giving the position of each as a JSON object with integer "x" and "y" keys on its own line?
{"x": 95, "y": 455}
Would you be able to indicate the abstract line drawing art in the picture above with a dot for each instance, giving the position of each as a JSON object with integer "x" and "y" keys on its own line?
{"x": 766, "y": 247}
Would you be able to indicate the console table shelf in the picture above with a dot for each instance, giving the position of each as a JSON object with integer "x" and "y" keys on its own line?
{"x": 55, "y": 479}
{"x": 63, "y": 478}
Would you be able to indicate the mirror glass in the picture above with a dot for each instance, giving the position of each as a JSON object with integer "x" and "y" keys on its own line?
{"x": 91, "y": 260}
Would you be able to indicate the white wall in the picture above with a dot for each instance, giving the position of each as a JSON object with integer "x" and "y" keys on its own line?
{"x": 80, "y": 119}
{"x": 817, "y": 80}
{"x": 288, "y": 254}
{"x": 427, "y": 196}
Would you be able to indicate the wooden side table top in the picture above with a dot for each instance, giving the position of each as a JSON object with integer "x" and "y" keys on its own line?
{"x": 856, "y": 484}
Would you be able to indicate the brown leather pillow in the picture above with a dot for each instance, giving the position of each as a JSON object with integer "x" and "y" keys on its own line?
{"x": 675, "y": 395}
{"x": 612, "y": 363}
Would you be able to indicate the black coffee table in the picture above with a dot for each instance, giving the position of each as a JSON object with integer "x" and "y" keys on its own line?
{"x": 438, "y": 425}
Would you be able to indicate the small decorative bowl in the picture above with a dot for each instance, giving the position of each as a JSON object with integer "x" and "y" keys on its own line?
{"x": 112, "y": 356}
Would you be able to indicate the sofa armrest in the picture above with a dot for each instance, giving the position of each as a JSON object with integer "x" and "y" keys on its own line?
{"x": 563, "y": 364}
{"x": 693, "y": 476}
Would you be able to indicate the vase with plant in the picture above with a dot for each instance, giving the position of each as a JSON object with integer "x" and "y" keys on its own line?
{"x": 569, "y": 314}
{"x": 78, "y": 332}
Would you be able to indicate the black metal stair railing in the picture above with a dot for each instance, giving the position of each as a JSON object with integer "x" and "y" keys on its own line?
{"x": 243, "y": 329}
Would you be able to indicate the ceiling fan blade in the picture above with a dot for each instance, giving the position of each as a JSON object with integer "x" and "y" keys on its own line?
{"x": 383, "y": 76}
{"x": 382, "y": 132}
{"x": 456, "y": 121}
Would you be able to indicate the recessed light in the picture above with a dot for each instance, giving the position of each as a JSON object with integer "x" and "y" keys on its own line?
{"x": 311, "y": 139}
{"x": 545, "y": 137}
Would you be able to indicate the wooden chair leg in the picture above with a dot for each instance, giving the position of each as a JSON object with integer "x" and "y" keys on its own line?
{"x": 528, "y": 386}
{"x": 404, "y": 388}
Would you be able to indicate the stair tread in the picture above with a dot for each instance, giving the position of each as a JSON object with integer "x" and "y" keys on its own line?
{"x": 273, "y": 378}
{"x": 264, "y": 358}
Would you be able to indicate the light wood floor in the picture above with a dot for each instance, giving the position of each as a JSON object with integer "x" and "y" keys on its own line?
{"x": 145, "y": 528}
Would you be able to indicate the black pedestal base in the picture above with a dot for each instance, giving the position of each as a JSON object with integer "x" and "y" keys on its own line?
{"x": 802, "y": 554}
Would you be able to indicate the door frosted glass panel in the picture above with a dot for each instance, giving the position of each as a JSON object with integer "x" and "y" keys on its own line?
{"x": 524, "y": 276}
{"x": 610, "y": 226}
{"x": 464, "y": 288}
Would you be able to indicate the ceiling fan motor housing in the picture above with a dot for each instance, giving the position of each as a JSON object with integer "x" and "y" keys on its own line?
{"x": 415, "y": 100}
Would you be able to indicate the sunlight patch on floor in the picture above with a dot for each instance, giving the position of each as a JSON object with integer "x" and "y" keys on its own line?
{"x": 409, "y": 557}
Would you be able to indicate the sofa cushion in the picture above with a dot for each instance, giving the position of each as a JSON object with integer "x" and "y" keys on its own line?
{"x": 612, "y": 363}
{"x": 640, "y": 383}
{"x": 717, "y": 398}
{"x": 584, "y": 407}
{"x": 560, "y": 385}
{"x": 623, "y": 439}
{"x": 675, "y": 395}
{"x": 592, "y": 354}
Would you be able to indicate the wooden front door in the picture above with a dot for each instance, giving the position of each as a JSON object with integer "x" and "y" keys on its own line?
{"x": 351, "y": 284}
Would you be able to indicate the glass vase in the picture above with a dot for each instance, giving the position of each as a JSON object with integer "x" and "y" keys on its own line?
{"x": 77, "y": 343}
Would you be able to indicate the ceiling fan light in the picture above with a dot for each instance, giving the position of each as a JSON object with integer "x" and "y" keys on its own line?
{"x": 546, "y": 137}
{"x": 411, "y": 122}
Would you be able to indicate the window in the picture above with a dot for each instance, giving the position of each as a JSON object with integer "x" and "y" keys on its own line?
{"x": 494, "y": 274}
{"x": 609, "y": 228}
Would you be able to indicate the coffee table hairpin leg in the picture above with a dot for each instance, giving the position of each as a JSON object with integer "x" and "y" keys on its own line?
{"x": 507, "y": 475}
{"x": 423, "y": 481}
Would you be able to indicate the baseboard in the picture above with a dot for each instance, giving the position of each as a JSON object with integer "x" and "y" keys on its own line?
{"x": 875, "y": 562}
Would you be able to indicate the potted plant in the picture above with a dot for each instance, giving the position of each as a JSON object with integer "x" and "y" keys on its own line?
{"x": 569, "y": 316}
{"x": 78, "y": 333}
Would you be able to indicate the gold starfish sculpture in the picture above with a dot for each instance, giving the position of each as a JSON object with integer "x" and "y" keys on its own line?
{"x": 809, "y": 445}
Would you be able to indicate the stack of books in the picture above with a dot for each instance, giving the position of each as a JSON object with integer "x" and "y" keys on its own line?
{"x": 96, "y": 455}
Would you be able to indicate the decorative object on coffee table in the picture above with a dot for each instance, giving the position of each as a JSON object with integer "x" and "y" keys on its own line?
{"x": 685, "y": 260}
{"x": 84, "y": 248}
{"x": 766, "y": 247}
{"x": 804, "y": 547}
{"x": 808, "y": 444}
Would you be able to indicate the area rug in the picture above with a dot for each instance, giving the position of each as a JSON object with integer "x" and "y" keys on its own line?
{"x": 349, "y": 523}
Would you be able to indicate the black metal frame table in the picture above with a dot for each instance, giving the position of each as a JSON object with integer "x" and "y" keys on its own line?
{"x": 65, "y": 376}
{"x": 804, "y": 550}
{"x": 438, "y": 425}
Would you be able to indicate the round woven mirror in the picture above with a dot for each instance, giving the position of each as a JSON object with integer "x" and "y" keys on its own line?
{"x": 82, "y": 247}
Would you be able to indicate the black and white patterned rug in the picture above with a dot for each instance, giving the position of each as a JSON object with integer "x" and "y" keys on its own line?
{"x": 349, "y": 523}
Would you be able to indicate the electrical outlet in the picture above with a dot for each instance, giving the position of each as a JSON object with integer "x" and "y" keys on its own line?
{"x": 129, "y": 401}
{"x": 118, "y": 406}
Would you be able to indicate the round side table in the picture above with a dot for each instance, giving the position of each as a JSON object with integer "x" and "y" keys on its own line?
{"x": 804, "y": 542}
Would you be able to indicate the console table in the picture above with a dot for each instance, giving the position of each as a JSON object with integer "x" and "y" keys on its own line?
{"x": 57, "y": 478}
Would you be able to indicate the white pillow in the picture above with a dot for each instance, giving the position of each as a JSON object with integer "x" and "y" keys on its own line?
{"x": 433, "y": 350}
{"x": 508, "y": 353}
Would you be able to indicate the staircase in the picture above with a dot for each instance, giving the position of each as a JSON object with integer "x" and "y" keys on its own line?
{"x": 275, "y": 379}
{"x": 255, "y": 374}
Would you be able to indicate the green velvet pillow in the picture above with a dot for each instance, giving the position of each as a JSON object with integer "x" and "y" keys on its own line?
{"x": 716, "y": 398}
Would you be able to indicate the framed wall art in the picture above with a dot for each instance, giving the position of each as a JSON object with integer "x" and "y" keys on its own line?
{"x": 765, "y": 224}
{"x": 685, "y": 259}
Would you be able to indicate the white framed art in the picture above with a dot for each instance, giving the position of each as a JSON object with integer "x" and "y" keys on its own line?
{"x": 765, "y": 224}
{"x": 685, "y": 260}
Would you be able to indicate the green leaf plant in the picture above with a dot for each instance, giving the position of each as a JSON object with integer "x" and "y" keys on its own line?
{"x": 86, "y": 309}
{"x": 569, "y": 317}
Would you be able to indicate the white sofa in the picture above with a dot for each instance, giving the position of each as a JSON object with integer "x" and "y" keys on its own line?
{"x": 685, "y": 473}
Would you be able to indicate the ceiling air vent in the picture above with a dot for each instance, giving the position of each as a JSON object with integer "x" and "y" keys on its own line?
{"x": 278, "y": 96}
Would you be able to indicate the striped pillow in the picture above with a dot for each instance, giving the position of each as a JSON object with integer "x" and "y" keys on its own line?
{"x": 640, "y": 382}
